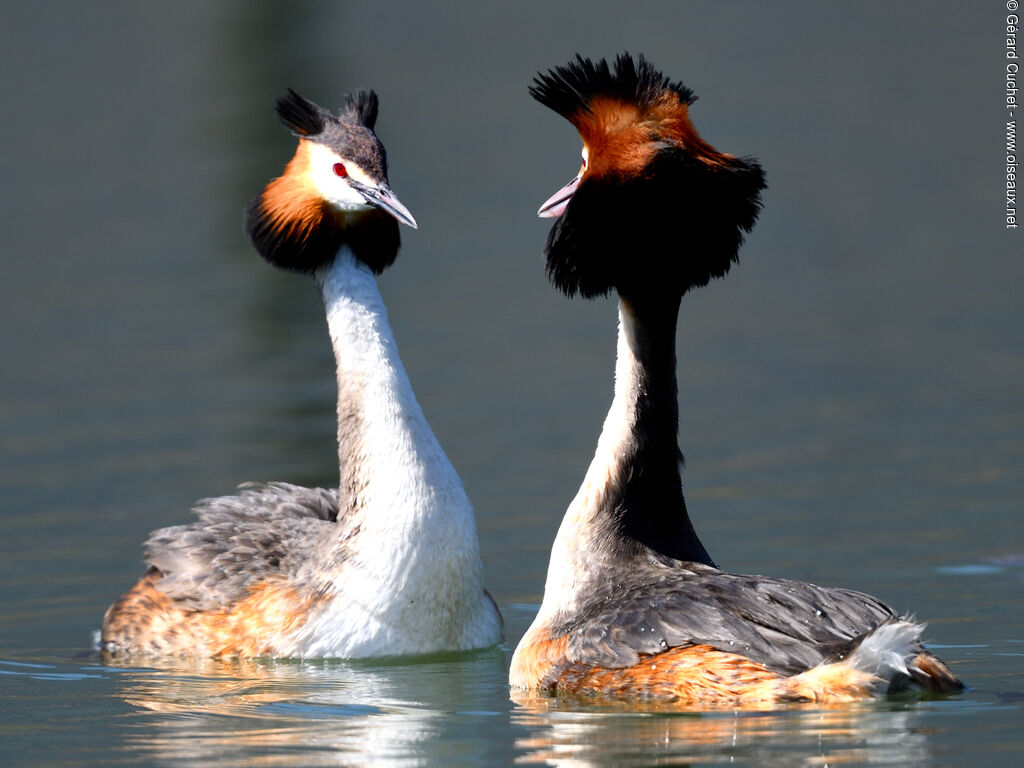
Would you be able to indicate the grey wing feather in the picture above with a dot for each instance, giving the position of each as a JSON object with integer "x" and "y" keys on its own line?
{"x": 264, "y": 530}
{"x": 788, "y": 626}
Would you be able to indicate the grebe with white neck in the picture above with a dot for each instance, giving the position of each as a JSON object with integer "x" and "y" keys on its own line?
{"x": 389, "y": 562}
{"x": 634, "y": 606}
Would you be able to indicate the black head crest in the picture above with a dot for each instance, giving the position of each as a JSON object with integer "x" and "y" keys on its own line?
{"x": 362, "y": 105}
{"x": 571, "y": 89}
{"x": 301, "y": 116}
{"x": 307, "y": 120}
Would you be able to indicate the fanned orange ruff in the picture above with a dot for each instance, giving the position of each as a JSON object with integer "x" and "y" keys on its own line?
{"x": 290, "y": 201}
{"x": 620, "y": 137}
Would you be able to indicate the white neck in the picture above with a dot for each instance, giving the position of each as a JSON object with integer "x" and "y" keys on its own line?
{"x": 403, "y": 569}
{"x": 395, "y": 477}
{"x": 569, "y": 553}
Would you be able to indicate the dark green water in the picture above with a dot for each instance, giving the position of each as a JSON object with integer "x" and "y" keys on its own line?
{"x": 851, "y": 400}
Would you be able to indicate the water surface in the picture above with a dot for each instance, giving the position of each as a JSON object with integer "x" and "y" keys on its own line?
{"x": 851, "y": 405}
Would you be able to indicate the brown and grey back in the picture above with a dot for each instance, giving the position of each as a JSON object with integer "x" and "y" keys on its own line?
{"x": 387, "y": 565}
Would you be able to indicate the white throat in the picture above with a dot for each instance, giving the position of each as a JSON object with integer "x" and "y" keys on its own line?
{"x": 412, "y": 579}
{"x": 388, "y": 455}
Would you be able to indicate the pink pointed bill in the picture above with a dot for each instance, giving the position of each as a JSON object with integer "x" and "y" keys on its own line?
{"x": 387, "y": 200}
{"x": 555, "y": 205}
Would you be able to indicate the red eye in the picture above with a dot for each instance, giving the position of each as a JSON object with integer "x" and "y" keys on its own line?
{"x": 340, "y": 170}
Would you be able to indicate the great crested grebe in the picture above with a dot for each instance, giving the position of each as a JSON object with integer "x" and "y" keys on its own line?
{"x": 389, "y": 563}
{"x": 633, "y": 604}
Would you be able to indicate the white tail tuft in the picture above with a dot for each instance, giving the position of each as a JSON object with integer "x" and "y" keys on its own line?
{"x": 888, "y": 650}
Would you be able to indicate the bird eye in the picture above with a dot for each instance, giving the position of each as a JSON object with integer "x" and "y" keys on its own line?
{"x": 340, "y": 170}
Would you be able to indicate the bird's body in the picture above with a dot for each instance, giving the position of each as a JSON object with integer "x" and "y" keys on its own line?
{"x": 633, "y": 604}
{"x": 389, "y": 562}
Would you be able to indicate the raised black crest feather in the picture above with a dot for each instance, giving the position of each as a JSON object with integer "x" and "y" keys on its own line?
{"x": 363, "y": 106}
{"x": 572, "y": 88}
{"x": 302, "y": 116}
{"x": 305, "y": 119}
{"x": 349, "y": 132}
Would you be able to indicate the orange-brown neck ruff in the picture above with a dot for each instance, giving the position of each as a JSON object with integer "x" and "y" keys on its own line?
{"x": 290, "y": 201}
{"x": 294, "y": 228}
{"x": 623, "y": 138}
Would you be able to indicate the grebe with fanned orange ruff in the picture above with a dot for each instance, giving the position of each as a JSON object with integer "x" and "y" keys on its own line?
{"x": 634, "y": 606}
